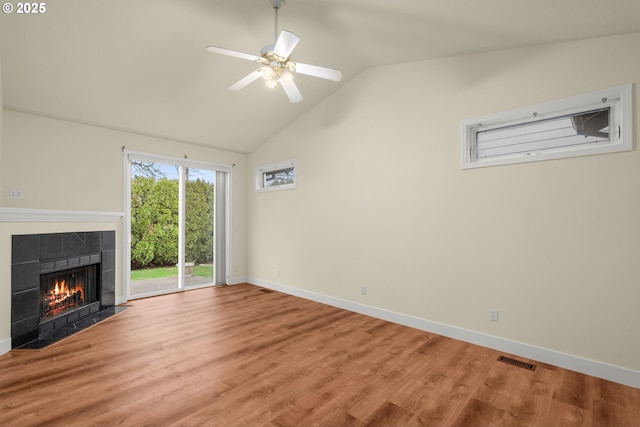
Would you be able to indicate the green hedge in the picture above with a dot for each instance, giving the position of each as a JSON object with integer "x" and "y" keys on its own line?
{"x": 154, "y": 222}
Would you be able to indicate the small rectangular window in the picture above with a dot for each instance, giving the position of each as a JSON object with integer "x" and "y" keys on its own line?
{"x": 276, "y": 176}
{"x": 279, "y": 177}
{"x": 595, "y": 123}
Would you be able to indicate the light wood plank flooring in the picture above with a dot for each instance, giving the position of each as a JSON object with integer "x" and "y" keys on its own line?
{"x": 239, "y": 356}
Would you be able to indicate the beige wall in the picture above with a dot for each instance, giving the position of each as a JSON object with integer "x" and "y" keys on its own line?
{"x": 52, "y": 161}
{"x": 69, "y": 166}
{"x": 1, "y": 111}
{"x": 382, "y": 202}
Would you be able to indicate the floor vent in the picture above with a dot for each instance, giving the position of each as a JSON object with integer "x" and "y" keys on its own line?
{"x": 518, "y": 363}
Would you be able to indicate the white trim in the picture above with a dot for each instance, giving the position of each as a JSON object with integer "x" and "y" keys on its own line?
{"x": 46, "y": 215}
{"x": 5, "y": 346}
{"x": 196, "y": 164}
{"x": 270, "y": 167}
{"x": 183, "y": 162}
{"x": 575, "y": 363}
{"x": 237, "y": 280}
{"x": 618, "y": 98}
{"x": 182, "y": 206}
{"x": 228, "y": 227}
{"x": 126, "y": 227}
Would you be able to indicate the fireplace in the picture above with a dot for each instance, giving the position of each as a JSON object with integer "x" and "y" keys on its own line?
{"x": 57, "y": 280}
{"x": 65, "y": 291}
{"x": 69, "y": 290}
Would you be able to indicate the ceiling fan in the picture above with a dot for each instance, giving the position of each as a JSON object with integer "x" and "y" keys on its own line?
{"x": 277, "y": 68}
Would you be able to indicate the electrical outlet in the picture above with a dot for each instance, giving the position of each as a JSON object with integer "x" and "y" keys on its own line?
{"x": 363, "y": 290}
{"x": 493, "y": 314}
{"x": 15, "y": 194}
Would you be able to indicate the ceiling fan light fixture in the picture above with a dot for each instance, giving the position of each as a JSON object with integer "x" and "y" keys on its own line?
{"x": 267, "y": 73}
{"x": 271, "y": 83}
{"x": 285, "y": 75}
{"x": 277, "y": 69}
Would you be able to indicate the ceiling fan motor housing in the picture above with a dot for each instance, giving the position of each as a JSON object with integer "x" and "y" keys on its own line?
{"x": 267, "y": 49}
{"x": 276, "y": 3}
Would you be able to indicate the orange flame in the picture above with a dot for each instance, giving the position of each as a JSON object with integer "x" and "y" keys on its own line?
{"x": 61, "y": 288}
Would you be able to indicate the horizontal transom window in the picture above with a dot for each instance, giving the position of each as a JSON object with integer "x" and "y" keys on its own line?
{"x": 276, "y": 176}
{"x": 595, "y": 123}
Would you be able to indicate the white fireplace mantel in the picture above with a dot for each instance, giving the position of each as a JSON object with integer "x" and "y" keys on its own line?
{"x": 44, "y": 215}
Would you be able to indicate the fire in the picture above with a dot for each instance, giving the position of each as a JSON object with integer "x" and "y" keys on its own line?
{"x": 61, "y": 291}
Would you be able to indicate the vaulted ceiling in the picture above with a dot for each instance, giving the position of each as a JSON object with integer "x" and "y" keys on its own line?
{"x": 141, "y": 65}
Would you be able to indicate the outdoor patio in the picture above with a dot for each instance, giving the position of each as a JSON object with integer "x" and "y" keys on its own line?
{"x": 163, "y": 284}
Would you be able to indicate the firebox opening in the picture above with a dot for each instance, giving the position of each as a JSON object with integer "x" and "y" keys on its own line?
{"x": 67, "y": 290}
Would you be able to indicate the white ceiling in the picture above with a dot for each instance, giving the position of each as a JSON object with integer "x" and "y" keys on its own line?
{"x": 141, "y": 65}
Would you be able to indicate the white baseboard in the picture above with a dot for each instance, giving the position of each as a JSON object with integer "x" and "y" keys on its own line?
{"x": 567, "y": 361}
{"x": 238, "y": 280}
{"x": 5, "y": 346}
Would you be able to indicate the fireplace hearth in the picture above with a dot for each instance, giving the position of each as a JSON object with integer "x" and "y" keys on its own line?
{"x": 59, "y": 282}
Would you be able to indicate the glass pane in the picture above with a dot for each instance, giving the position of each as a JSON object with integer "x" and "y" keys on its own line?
{"x": 198, "y": 239}
{"x": 278, "y": 177}
{"x": 154, "y": 228}
{"x": 589, "y": 127}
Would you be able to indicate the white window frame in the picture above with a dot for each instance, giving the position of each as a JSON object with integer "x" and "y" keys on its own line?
{"x": 618, "y": 99}
{"x": 128, "y": 157}
{"x": 262, "y": 170}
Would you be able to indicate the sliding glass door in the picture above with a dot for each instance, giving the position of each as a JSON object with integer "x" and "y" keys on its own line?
{"x": 154, "y": 219}
{"x": 177, "y": 212}
{"x": 199, "y": 227}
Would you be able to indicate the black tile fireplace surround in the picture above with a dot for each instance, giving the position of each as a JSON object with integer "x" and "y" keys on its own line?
{"x": 30, "y": 252}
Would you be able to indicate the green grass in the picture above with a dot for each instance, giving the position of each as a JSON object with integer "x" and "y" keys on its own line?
{"x": 153, "y": 273}
{"x": 203, "y": 271}
{"x": 158, "y": 272}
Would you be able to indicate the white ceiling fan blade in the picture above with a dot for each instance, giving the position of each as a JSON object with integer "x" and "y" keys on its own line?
{"x": 285, "y": 44}
{"x": 234, "y": 53}
{"x": 291, "y": 90}
{"x": 316, "y": 71}
{"x": 246, "y": 80}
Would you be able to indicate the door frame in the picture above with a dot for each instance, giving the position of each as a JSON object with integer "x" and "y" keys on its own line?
{"x": 126, "y": 225}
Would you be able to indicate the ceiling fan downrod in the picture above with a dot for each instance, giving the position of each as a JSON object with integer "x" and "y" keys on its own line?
{"x": 276, "y": 6}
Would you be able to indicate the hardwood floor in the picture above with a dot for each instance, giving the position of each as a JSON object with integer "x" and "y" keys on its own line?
{"x": 240, "y": 356}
